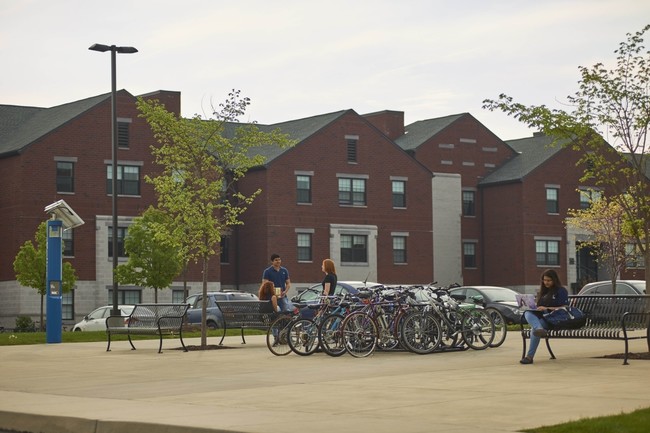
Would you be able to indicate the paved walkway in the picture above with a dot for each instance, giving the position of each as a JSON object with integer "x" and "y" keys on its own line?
{"x": 81, "y": 388}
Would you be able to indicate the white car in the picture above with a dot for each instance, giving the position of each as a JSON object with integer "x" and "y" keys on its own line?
{"x": 96, "y": 321}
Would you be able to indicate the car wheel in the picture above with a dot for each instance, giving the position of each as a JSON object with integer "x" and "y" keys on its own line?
{"x": 212, "y": 325}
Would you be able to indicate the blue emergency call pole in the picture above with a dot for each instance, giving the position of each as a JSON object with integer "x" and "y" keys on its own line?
{"x": 54, "y": 279}
{"x": 62, "y": 217}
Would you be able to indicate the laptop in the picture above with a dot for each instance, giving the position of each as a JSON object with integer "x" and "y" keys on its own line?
{"x": 526, "y": 301}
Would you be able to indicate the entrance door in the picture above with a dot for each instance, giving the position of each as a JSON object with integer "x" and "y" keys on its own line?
{"x": 586, "y": 266}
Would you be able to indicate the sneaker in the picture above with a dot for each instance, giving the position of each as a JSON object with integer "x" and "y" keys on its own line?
{"x": 540, "y": 332}
{"x": 526, "y": 360}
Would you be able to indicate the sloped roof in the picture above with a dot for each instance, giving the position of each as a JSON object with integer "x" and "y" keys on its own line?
{"x": 532, "y": 152}
{"x": 419, "y": 132}
{"x": 21, "y": 126}
{"x": 297, "y": 130}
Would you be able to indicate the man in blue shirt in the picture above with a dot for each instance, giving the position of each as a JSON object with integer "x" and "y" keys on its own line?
{"x": 279, "y": 276}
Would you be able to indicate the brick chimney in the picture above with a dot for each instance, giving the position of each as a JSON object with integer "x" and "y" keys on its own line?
{"x": 391, "y": 123}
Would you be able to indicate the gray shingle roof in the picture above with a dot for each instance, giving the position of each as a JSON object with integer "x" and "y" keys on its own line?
{"x": 533, "y": 152}
{"x": 419, "y": 132}
{"x": 21, "y": 126}
{"x": 297, "y": 130}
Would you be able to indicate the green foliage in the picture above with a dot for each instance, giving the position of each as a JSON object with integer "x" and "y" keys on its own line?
{"x": 612, "y": 103}
{"x": 606, "y": 221}
{"x": 153, "y": 261}
{"x": 25, "y": 324}
{"x": 201, "y": 162}
{"x": 30, "y": 265}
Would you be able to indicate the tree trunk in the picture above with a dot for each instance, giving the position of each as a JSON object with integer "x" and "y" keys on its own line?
{"x": 204, "y": 306}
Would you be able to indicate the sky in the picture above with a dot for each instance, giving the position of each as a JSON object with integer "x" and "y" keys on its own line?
{"x": 296, "y": 59}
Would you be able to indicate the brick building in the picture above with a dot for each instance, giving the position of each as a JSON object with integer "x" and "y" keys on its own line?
{"x": 439, "y": 200}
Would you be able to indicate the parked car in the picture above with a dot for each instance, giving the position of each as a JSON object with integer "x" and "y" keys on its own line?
{"x": 598, "y": 311}
{"x": 500, "y": 298}
{"x": 96, "y": 320}
{"x": 310, "y": 295}
{"x": 623, "y": 287}
{"x": 213, "y": 319}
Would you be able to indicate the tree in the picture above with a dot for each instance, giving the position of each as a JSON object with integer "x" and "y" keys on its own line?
{"x": 153, "y": 262}
{"x": 30, "y": 266}
{"x": 605, "y": 221}
{"x": 612, "y": 103}
{"x": 201, "y": 162}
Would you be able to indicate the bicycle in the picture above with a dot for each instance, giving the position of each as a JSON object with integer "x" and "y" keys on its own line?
{"x": 467, "y": 321}
{"x": 277, "y": 336}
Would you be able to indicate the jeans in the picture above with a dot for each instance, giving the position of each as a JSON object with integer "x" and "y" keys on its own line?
{"x": 285, "y": 304}
{"x": 535, "y": 322}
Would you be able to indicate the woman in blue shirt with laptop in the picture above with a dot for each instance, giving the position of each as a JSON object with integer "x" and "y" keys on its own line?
{"x": 552, "y": 295}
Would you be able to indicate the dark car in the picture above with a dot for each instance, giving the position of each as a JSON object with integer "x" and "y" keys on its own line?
{"x": 213, "y": 317}
{"x": 310, "y": 295}
{"x": 623, "y": 287}
{"x": 500, "y": 298}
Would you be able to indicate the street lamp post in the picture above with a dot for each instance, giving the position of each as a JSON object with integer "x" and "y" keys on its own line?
{"x": 123, "y": 50}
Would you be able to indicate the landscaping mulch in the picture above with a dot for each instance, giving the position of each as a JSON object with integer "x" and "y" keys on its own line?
{"x": 640, "y": 355}
{"x": 192, "y": 348}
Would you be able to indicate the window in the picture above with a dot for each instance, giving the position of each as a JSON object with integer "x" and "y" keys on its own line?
{"x": 123, "y": 134}
{"x": 588, "y": 196}
{"x": 352, "y": 191}
{"x": 552, "y": 204}
{"x": 303, "y": 189}
{"x": 128, "y": 179}
{"x": 224, "y": 248}
{"x": 354, "y": 248}
{"x": 126, "y": 297}
{"x": 399, "y": 193}
{"x": 121, "y": 234}
{"x": 304, "y": 247}
{"x": 68, "y": 242}
{"x": 399, "y": 249}
{"x": 547, "y": 252}
{"x": 469, "y": 200}
{"x": 64, "y": 176}
{"x": 178, "y": 296}
{"x": 352, "y": 149}
{"x": 469, "y": 254}
{"x": 67, "y": 305}
{"x": 634, "y": 257}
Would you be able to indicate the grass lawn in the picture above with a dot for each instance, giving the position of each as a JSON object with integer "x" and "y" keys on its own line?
{"x": 635, "y": 422}
{"x": 20, "y": 338}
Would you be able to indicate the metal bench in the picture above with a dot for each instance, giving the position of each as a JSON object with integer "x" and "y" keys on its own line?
{"x": 148, "y": 319}
{"x": 609, "y": 317}
{"x": 246, "y": 314}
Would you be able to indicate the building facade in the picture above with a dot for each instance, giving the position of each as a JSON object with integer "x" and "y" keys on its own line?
{"x": 441, "y": 200}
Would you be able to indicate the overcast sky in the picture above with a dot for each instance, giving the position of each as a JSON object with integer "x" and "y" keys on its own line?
{"x": 295, "y": 59}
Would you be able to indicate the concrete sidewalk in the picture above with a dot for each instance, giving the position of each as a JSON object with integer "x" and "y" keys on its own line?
{"x": 81, "y": 388}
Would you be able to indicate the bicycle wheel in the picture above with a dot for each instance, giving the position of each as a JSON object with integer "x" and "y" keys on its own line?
{"x": 303, "y": 337}
{"x": 421, "y": 332}
{"x": 277, "y": 336}
{"x": 477, "y": 329}
{"x": 330, "y": 335}
{"x": 359, "y": 334}
{"x": 500, "y": 327}
{"x": 387, "y": 332}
